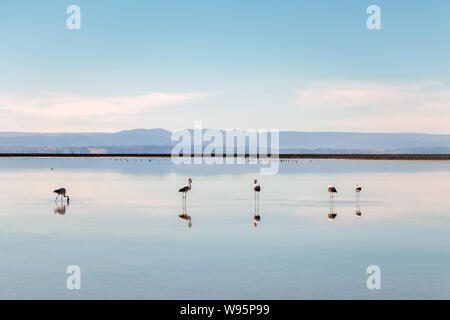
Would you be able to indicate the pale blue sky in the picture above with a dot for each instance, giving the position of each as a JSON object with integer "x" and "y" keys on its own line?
{"x": 289, "y": 65}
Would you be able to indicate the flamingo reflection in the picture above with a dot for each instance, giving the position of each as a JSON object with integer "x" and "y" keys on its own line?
{"x": 256, "y": 219}
{"x": 60, "y": 209}
{"x": 186, "y": 217}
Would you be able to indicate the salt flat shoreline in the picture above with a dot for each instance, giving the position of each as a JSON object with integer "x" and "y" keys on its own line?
{"x": 421, "y": 157}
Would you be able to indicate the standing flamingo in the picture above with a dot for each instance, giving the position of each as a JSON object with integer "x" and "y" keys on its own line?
{"x": 257, "y": 189}
{"x": 332, "y": 190}
{"x": 358, "y": 191}
{"x": 61, "y": 192}
{"x": 185, "y": 190}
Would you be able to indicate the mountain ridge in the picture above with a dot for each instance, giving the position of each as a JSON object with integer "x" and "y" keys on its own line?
{"x": 160, "y": 139}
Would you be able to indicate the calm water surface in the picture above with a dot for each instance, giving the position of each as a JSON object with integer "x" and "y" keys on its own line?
{"x": 122, "y": 228}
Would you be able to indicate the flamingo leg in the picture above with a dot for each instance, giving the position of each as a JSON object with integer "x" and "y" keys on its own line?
{"x": 357, "y": 203}
{"x": 258, "y": 202}
{"x": 332, "y": 204}
{"x": 182, "y": 202}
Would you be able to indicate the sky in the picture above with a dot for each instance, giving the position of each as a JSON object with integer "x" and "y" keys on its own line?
{"x": 287, "y": 65}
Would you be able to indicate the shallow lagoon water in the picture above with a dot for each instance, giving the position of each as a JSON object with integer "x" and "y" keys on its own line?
{"x": 122, "y": 228}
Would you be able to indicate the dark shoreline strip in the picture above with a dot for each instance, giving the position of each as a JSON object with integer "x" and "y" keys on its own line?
{"x": 434, "y": 157}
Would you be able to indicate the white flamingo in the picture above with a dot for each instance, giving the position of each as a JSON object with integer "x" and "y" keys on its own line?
{"x": 61, "y": 192}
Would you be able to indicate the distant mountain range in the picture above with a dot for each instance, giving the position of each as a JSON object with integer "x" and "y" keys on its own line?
{"x": 159, "y": 141}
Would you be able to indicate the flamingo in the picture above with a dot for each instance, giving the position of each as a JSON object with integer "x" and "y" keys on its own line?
{"x": 257, "y": 189}
{"x": 358, "y": 191}
{"x": 185, "y": 190}
{"x": 332, "y": 190}
{"x": 256, "y": 186}
{"x": 61, "y": 192}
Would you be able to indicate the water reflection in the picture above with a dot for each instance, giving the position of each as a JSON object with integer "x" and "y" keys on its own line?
{"x": 121, "y": 209}
{"x": 60, "y": 209}
{"x": 332, "y": 216}
{"x": 256, "y": 219}
{"x": 187, "y": 218}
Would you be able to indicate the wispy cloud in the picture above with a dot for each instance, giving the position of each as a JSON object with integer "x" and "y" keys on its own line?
{"x": 74, "y": 113}
{"x": 370, "y": 106}
{"x": 61, "y": 106}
